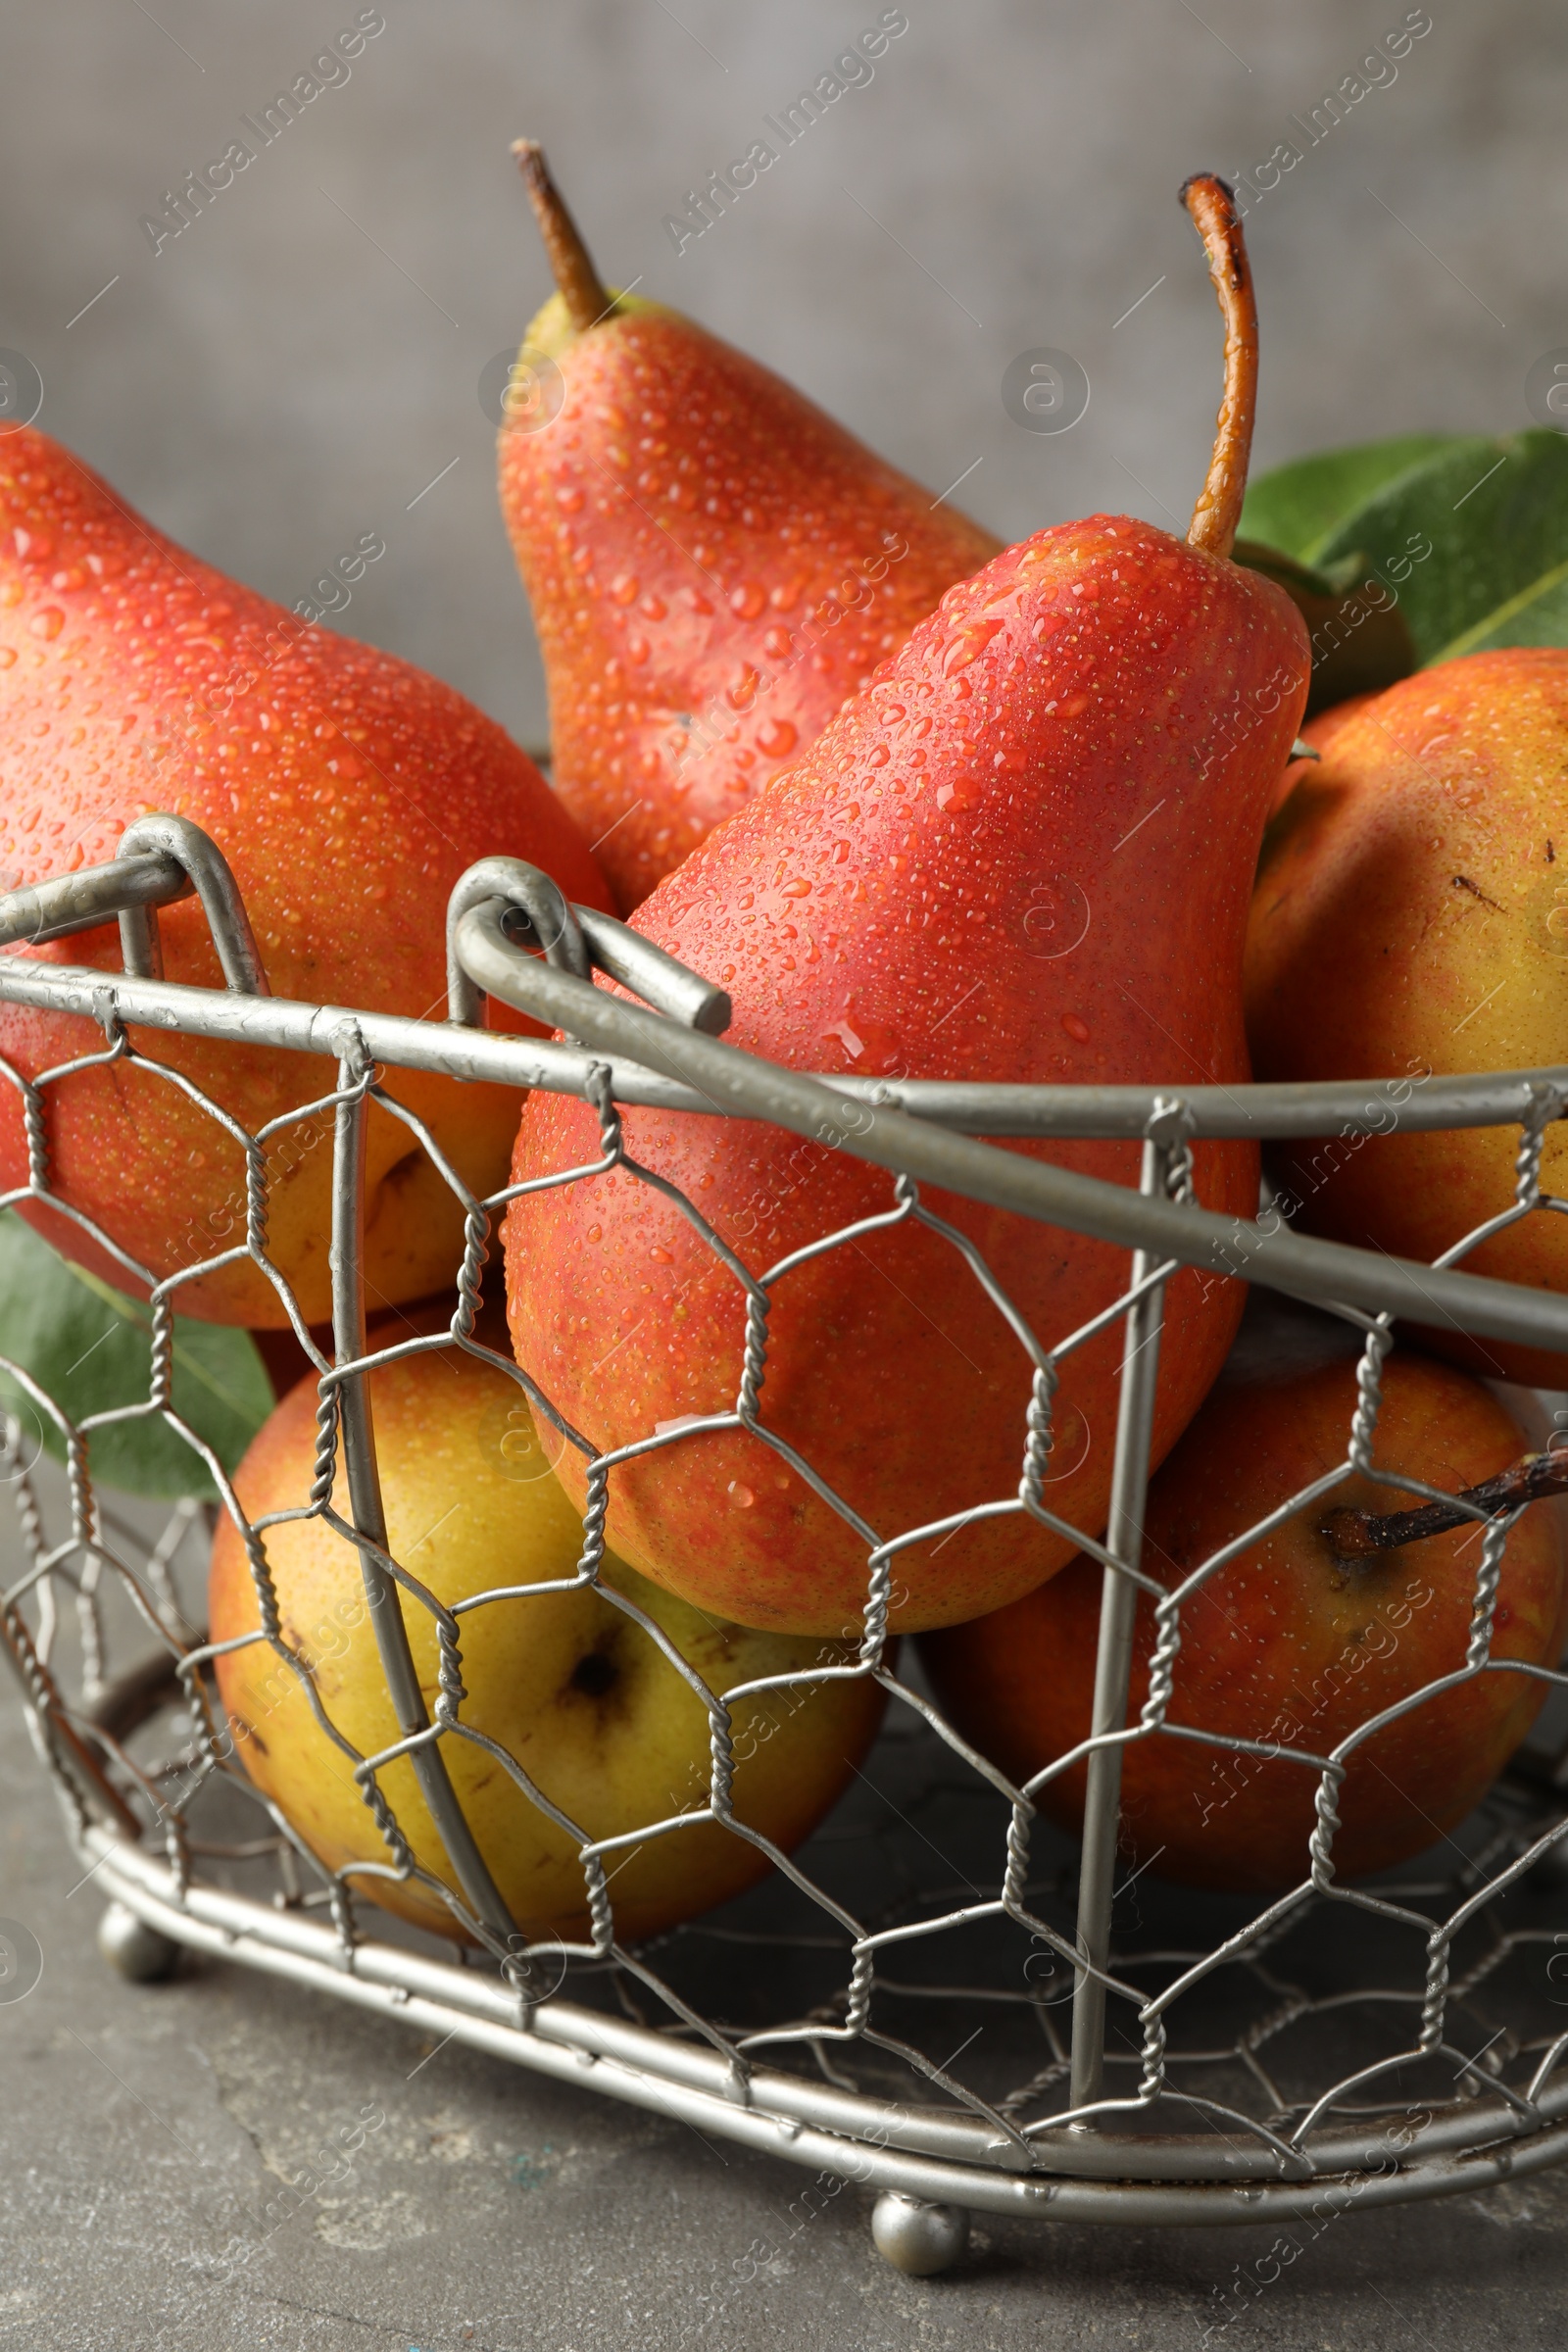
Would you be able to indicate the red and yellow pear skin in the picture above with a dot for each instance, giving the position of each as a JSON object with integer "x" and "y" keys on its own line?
{"x": 575, "y": 1690}
{"x": 1288, "y": 1643}
{"x": 714, "y": 565}
{"x": 1023, "y": 856}
{"x": 1411, "y": 917}
{"x": 348, "y": 792}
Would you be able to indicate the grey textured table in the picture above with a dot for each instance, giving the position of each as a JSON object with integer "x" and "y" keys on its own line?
{"x": 147, "y": 2135}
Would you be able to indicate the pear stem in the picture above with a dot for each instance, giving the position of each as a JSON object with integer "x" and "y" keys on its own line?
{"x": 1358, "y": 1535}
{"x": 570, "y": 261}
{"x": 1212, "y": 208}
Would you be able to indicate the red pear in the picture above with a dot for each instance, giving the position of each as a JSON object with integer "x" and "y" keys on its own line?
{"x": 1290, "y": 1641}
{"x": 348, "y": 792}
{"x": 1025, "y": 854}
{"x": 714, "y": 565}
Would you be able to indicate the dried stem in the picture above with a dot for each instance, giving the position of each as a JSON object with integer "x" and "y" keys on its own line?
{"x": 1212, "y": 206}
{"x": 1358, "y": 1535}
{"x": 570, "y": 261}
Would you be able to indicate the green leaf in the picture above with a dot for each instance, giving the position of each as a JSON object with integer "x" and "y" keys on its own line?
{"x": 1535, "y": 615}
{"x": 1299, "y": 508}
{"x": 1496, "y": 516}
{"x": 1468, "y": 534}
{"x": 89, "y": 1348}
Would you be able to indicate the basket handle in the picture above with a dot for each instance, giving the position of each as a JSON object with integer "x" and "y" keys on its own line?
{"x": 207, "y": 871}
{"x": 534, "y": 914}
{"x": 161, "y": 860}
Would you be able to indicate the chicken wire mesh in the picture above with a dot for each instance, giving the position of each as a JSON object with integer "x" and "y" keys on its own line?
{"x": 938, "y": 1992}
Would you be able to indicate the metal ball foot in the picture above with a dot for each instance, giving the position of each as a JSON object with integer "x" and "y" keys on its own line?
{"x": 917, "y": 2238}
{"x": 138, "y": 1951}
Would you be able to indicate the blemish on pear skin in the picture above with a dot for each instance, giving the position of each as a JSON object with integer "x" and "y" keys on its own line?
{"x": 1463, "y": 882}
{"x": 594, "y": 1675}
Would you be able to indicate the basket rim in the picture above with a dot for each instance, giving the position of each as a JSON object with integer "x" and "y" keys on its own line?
{"x": 642, "y": 1058}
{"x": 1123, "y": 2175}
{"x": 1258, "y": 1109}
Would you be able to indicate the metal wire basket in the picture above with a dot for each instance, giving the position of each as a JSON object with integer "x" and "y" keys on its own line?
{"x": 1194, "y": 2061}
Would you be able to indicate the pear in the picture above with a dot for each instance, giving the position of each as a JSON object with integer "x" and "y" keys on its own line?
{"x": 348, "y": 792}
{"x": 1024, "y": 855}
{"x": 1288, "y": 1643}
{"x": 586, "y": 1698}
{"x": 1313, "y": 742}
{"x": 1410, "y": 917}
{"x": 714, "y": 565}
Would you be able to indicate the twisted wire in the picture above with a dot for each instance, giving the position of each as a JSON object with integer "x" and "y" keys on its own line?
{"x": 1489, "y": 1575}
{"x": 476, "y": 1255}
{"x": 1039, "y": 1433}
{"x": 753, "y": 1365}
{"x": 1369, "y": 1398}
{"x": 1320, "y": 1846}
{"x": 1546, "y": 1106}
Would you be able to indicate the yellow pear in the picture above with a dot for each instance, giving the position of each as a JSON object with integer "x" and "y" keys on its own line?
{"x": 1410, "y": 916}
{"x": 577, "y": 1692}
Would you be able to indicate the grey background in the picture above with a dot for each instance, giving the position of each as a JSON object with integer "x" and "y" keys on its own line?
{"x": 281, "y": 379}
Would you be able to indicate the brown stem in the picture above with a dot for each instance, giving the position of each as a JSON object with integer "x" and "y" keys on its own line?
{"x": 1358, "y": 1535}
{"x": 1212, "y": 206}
{"x": 570, "y": 261}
